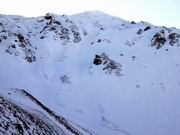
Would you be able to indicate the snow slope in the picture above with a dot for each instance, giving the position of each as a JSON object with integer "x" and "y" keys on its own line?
{"x": 102, "y": 73}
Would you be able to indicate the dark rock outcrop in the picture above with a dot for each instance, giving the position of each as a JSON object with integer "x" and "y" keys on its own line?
{"x": 140, "y": 31}
{"x": 97, "y": 60}
{"x": 147, "y": 28}
{"x": 110, "y": 66}
{"x": 174, "y": 38}
{"x": 158, "y": 39}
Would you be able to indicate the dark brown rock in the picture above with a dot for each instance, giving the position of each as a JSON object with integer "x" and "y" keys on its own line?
{"x": 97, "y": 61}
{"x": 158, "y": 39}
{"x": 174, "y": 38}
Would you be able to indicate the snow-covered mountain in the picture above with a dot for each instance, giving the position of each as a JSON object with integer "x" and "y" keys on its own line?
{"x": 89, "y": 73}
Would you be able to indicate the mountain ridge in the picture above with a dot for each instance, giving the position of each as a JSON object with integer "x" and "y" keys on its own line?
{"x": 104, "y": 74}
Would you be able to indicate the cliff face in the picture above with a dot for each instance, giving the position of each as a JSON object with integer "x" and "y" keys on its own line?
{"x": 94, "y": 73}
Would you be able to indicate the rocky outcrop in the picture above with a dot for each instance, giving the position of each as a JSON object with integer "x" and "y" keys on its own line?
{"x": 17, "y": 33}
{"x": 109, "y": 66}
{"x": 62, "y": 32}
{"x": 165, "y": 36}
{"x": 158, "y": 39}
{"x": 174, "y": 39}
{"x": 21, "y": 46}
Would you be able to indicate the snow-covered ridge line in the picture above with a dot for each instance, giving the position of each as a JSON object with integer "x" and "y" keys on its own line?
{"x": 18, "y": 33}
{"x": 18, "y": 120}
{"x": 21, "y": 92}
{"x": 60, "y": 119}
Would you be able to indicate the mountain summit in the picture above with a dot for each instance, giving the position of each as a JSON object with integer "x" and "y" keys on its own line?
{"x": 88, "y": 74}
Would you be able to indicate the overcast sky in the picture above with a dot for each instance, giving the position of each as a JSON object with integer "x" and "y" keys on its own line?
{"x": 158, "y": 12}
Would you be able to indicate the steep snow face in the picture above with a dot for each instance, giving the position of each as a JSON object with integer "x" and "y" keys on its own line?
{"x": 105, "y": 74}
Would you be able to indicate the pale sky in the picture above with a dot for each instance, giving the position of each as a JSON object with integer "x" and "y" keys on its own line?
{"x": 158, "y": 12}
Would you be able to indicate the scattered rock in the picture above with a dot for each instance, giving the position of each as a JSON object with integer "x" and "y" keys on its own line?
{"x": 62, "y": 32}
{"x": 121, "y": 54}
{"x": 57, "y": 22}
{"x": 102, "y": 29}
{"x": 132, "y": 22}
{"x": 147, "y": 28}
{"x": 20, "y": 37}
{"x": 13, "y": 46}
{"x": 19, "y": 128}
{"x": 174, "y": 38}
{"x": 140, "y": 31}
{"x": 99, "y": 40}
{"x": 77, "y": 37}
{"x": 2, "y": 37}
{"x": 97, "y": 60}
{"x": 110, "y": 66}
{"x": 42, "y": 37}
{"x": 134, "y": 58}
{"x": 22, "y": 46}
{"x": 52, "y": 29}
{"x": 48, "y": 16}
{"x": 65, "y": 79}
{"x": 158, "y": 39}
{"x": 30, "y": 59}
